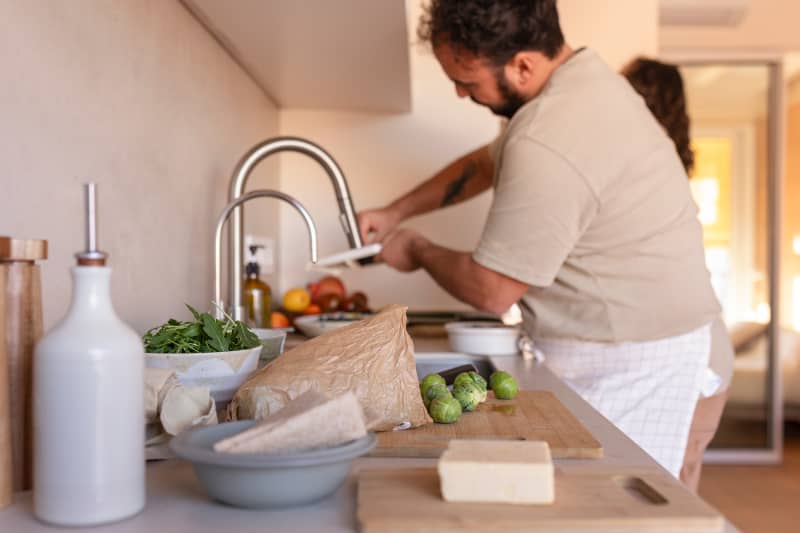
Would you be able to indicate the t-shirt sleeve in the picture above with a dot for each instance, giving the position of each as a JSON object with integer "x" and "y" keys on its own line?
{"x": 497, "y": 143}
{"x": 541, "y": 207}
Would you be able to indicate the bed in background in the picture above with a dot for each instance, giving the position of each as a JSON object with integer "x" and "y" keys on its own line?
{"x": 748, "y": 387}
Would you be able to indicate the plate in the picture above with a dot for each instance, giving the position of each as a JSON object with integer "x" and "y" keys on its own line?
{"x": 350, "y": 258}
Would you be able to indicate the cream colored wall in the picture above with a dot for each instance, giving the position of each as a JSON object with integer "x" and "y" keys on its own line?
{"x": 769, "y": 25}
{"x": 618, "y": 29}
{"x": 384, "y": 156}
{"x": 138, "y": 97}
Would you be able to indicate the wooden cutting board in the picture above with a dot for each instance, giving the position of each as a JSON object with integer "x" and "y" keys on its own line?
{"x": 532, "y": 415}
{"x": 589, "y": 497}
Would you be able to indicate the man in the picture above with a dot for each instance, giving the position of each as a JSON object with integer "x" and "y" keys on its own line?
{"x": 592, "y": 229}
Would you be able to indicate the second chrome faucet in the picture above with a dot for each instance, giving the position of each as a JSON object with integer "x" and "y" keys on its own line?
{"x": 241, "y": 173}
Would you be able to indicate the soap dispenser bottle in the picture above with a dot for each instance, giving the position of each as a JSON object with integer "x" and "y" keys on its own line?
{"x": 88, "y": 404}
{"x": 257, "y": 294}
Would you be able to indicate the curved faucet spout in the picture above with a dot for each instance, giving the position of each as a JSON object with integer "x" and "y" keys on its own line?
{"x": 263, "y": 193}
{"x": 347, "y": 213}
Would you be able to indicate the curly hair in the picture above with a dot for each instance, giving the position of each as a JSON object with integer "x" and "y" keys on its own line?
{"x": 661, "y": 86}
{"x": 494, "y": 29}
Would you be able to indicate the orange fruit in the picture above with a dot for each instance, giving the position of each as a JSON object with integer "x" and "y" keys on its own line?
{"x": 296, "y": 300}
{"x": 278, "y": 320}
{"x": 312, "y": 309}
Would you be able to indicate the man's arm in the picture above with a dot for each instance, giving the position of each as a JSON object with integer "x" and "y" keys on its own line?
{"x": 456, "y": 272}
{"x": 462, "y": 179}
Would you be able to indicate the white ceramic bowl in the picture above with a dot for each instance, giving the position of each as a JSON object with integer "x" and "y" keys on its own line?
{"x": 483, "y": 338}
{"x": 273, "y": 341}
{"x": 315, "y": 325}
{"x": 222, "y": 372}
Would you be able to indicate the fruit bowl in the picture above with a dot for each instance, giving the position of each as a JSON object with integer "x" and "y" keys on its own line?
{"x": 315, "y": 325}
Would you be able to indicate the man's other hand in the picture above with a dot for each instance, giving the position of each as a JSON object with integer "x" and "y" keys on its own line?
{"x": 375, "y": 224}
{"x": 399, "y": 250}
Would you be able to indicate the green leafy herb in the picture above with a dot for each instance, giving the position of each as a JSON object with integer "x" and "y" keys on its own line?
{"x": 204, "y": 334}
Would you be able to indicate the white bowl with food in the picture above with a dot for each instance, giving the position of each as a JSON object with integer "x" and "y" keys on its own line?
{"x": 222, "y": 372}
{"x": 483, "y": 338}
{"x": 207, "y": 352}
{"x": 266, "y": 481}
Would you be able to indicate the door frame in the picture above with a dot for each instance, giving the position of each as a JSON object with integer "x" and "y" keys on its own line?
{"x": 776, "y": 139}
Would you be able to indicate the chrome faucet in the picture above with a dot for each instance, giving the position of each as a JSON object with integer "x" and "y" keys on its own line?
{"x": 347, "y": 213}
{"x": 238, "y": 309}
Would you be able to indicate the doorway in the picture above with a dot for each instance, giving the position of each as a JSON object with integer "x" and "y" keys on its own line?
{"x": 736, "y": 109}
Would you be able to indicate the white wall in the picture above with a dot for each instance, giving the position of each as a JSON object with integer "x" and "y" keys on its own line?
{"x": 138, "y": 97}
{"x": 384, "y": 156}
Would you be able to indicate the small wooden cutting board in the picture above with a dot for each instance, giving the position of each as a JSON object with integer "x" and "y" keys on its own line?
{"x": 532, "y": 415}
{"x": 589, "y": 497}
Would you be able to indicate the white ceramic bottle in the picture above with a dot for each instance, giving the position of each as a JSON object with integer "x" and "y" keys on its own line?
{"x": 88, "y": 404}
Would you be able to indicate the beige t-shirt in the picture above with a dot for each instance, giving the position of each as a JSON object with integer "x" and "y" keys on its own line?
{"x": 592, "y": 209}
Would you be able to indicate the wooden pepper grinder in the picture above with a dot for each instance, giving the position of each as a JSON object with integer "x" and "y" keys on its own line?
{"x": 20, "y": 328}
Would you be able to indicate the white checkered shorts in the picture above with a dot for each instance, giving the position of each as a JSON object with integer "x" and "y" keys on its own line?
{"x": 647, "y": 389}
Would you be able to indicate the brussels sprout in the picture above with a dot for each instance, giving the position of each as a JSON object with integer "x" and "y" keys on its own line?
{"x": 468, "y": 395}
{"x": 472, "y": 378}
{"x": 437, "y": 390}
{"x": 430, "y": 379}
{"x": 504, "y": 385}
{"x": 445, "y": 410}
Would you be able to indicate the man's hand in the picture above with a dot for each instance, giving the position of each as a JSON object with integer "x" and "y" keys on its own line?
{"x": 456, "y": 272}
{"x": 399, "y": 250}
{"x": 375, "y": 224}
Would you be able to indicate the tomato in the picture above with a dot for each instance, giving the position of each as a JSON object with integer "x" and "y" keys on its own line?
{"x": 326, "y": 285}
{"x": 329, "y": 302}
{"x": 359, "y": 301}
{"x": 347, "y": 305}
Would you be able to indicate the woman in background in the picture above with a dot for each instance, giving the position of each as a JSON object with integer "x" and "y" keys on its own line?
{"x": 661, "y": 86}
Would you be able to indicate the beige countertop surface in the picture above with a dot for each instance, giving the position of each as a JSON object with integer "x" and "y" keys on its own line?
{"x": 176, "y": 501}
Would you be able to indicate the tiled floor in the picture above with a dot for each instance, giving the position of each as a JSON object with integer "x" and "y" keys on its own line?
{"x": 758, "y": 498}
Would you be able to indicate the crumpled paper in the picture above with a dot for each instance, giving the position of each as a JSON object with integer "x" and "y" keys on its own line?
{"x": 170, "y": 408}
{"x": 373, "y": 358}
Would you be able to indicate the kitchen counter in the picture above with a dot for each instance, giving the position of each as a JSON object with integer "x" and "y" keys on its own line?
{"x": 176, "y": 501}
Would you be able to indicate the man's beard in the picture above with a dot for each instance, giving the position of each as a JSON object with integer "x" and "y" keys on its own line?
{"x": 512, "y": 100}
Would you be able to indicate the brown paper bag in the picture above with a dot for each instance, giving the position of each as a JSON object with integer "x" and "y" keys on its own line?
{"x": 374, "y": 358}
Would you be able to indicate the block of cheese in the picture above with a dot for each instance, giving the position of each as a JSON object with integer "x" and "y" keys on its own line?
{"x": 500, "y": 471}
{"x": 312, "y": 420}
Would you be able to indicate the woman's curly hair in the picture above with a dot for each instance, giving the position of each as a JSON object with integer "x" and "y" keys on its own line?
{"x": 495, "y": 29}
{"x": 661, "y": 86}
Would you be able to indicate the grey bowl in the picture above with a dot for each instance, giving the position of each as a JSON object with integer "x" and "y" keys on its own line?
{"x": 266, "y": 481}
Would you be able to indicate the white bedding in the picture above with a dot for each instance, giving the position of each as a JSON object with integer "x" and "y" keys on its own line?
{"x": 748, "y": 387}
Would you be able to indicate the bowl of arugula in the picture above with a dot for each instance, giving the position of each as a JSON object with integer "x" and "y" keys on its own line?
{"x": 205, "y": 352}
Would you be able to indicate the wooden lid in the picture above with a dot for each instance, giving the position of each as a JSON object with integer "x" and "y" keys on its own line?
{"x": 22, "y": 249}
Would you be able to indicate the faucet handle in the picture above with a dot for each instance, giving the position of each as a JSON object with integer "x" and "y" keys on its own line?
{"x": 343, "y": 222}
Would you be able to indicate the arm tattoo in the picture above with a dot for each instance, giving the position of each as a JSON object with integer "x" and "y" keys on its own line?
{"x": 455, "y": 187}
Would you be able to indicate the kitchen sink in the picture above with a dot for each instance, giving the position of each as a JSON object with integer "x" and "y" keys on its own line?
{"x": 430, "y": 362}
